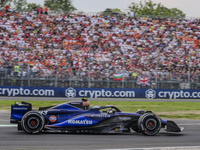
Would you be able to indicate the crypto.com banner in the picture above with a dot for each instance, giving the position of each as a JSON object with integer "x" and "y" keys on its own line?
{"x": 98, "y": 92}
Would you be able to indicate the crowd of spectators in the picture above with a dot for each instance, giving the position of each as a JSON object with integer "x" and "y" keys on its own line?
{"x": 40, "y": 10}
{"x": 72, "y": 45}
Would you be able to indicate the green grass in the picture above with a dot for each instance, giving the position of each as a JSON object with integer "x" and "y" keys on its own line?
{"x": 183, "y": 116}
{"x": 181, "y": 110}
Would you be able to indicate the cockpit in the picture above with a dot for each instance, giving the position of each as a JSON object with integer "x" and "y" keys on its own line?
{"x": 85, "y": 104}
{"x": 109, "y": 109}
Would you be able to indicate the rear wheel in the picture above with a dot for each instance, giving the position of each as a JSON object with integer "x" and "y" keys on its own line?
{"x": 32, "y": 122}
{"x": 149, "y": 124}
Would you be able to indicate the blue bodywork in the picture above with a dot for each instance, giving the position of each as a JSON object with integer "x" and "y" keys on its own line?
{"x": 76, "y": 117}
{"x": 18, "y": 112}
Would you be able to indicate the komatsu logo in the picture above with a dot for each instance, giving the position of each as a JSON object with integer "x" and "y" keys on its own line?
{"x": 80, "y": 122}
{"x": 70, "y": 92}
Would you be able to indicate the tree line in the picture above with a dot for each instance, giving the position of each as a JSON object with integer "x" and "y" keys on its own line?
{"x": 56, "y": 5}
{"x": 152, "y": 9}
{"x": 146, "y": 8}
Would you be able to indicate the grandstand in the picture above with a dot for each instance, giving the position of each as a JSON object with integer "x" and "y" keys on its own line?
{"x": 62, "y": 50}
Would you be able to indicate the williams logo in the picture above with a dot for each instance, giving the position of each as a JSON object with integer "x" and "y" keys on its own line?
{"x": 70, "y": 92}
{"x": 150, "y": 94}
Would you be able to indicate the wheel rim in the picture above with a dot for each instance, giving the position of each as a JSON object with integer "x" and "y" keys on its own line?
{"x": 151, "y": 124}
{"x": 33, "y": 122}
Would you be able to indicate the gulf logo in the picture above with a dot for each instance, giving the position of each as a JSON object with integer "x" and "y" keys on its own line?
{"x": 52, "y": 118}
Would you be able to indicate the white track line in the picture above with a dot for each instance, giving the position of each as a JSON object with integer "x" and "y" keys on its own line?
{"x": 159, "y": 148}
{"x": 8, "y": 125}
{"x": 194, "y": 124}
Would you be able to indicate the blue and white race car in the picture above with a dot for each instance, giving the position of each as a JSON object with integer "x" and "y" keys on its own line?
{"x": 79, "y": 117}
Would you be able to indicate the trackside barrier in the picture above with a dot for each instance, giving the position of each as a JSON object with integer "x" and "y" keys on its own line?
{"x": 69, "y": 92}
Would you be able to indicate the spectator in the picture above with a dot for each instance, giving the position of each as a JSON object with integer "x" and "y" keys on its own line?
{"x": 16, "y": 70}
{"x": 38, "y": 10}
{"x": 46, "y": 10}
{"x": 35, "y": 71}
{"x": 34, "y": 9}
{"x": 41, "y": 10}
{"x": 7, "y": 8}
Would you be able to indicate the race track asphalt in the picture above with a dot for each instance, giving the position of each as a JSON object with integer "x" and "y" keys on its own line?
{"x": 11, "y": 139}
{"x": 95, "y": 99}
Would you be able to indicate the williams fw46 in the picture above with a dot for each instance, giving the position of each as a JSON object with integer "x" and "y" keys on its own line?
{"x": 78, "y": 117}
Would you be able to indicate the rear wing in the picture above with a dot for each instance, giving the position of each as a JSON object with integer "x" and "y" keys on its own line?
{"x": 18, "y": 111}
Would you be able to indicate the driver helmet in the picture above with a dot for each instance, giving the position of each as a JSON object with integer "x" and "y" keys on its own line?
{"x": 110, "y": 111}
{"x": 84, "y": 99}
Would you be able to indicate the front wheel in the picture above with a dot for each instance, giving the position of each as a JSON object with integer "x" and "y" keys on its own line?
{"x": 32, "y": 122}
{"x": 149, "y": 124}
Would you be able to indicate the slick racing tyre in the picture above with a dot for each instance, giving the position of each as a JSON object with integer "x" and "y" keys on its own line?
{"x": 32, "y": 122}
{"x": 149, "y": 124}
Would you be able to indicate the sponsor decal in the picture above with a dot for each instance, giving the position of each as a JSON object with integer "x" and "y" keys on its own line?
{"x": 43, "y": 112}
{"x": 150, "y": 94}
{"x": 98, "y": 92}
{"x": 75, "y": 103}
{"x": 80, "y": 121}
{"x": 24, "y": 92}
{"x": 52, "y": 118}
{"x": 100, "y": 115}
{"x": 106, "y": 93}
{"x": 20, "y": 108}
{"x": 125, "y": 118}
{"x": 70, "y": 92}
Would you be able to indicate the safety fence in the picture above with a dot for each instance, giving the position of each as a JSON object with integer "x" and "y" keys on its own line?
{"x": 98, "y": 79}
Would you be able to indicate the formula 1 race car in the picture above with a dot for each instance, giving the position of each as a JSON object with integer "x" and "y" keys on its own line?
{"x": 80, "y": 118}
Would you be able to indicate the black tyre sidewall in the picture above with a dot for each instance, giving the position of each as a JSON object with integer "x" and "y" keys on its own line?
{"x": 135, "y": 128}
{"x": 25, "y": 126}
{"x": 142, "y": 124}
